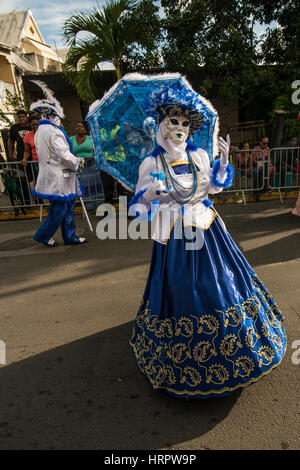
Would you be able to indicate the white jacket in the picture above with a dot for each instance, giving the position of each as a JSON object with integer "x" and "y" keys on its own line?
{"x": 54, "y": 156}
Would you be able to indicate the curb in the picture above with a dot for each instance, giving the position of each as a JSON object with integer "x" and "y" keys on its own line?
{"x": 224, "y": 199}
{"x": 233, "y": 198}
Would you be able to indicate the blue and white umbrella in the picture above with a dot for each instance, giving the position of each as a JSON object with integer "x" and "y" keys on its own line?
{"x": 124, "y": 122}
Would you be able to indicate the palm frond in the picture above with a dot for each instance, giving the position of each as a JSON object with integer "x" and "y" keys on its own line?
{"x": 98, "y": 21}
{"x": 77, "y": 24}
{"x": 108, "y": 32}
{"x": 95, "y": 49}
{"x": 82, "y": 80}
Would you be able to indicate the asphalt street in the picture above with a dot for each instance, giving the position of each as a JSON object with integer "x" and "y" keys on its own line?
{"x": 70, "y": 380}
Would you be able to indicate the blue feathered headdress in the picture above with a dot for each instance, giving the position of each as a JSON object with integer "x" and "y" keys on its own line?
{"x": 175, "y": 100}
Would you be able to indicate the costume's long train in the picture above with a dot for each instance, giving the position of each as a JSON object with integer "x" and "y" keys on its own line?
{"x": 207, "y": 325}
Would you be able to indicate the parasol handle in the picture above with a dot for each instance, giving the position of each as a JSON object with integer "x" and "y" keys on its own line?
{"x": 86, "y": 214}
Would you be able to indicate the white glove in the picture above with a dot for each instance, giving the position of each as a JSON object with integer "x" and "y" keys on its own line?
{"x": 81, "y": 163}
{"x": 154, "y": 191}
{"x": 224, "y": 150}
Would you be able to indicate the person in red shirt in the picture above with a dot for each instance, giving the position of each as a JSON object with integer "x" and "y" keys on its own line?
{"x": 262, "y": 161}
{"x": 29, "y": 146}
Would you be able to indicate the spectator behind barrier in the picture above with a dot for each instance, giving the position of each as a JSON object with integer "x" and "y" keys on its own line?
{"x": 16, "y": 136}
{"x": 16, "y": 152}
{"x": 286, "y": 159}
{"x": 262, "y": 161}
{"x": 82, "y": 143}
{"x": 82, "y": 146}
{"x": 242, "y": 161}
{"x": 29, "y": 145}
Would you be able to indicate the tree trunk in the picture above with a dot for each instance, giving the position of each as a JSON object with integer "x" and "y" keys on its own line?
{"x": 118, "y": 71}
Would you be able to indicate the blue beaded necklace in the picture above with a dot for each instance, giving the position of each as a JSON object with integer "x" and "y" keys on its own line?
{"x": 183, "y": 194}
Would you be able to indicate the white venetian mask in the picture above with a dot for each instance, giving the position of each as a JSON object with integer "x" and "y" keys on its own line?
{"x": 176, "y": 128}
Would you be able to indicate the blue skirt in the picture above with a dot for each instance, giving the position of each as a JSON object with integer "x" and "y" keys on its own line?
{"x": 206, "y": 325}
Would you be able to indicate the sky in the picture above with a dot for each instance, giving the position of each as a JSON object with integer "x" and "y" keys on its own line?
{"x": 50, "y": 15}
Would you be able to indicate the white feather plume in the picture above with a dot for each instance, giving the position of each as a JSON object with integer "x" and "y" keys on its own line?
{"x": 49, "y": 95}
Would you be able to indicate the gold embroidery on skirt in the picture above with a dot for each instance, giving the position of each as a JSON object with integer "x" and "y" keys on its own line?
{"x": 166, "y": 332}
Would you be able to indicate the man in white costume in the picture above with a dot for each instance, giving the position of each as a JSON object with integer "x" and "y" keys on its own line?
{"x": 57, "y": 179}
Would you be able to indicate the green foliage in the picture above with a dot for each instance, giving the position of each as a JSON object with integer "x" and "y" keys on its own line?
{"x": 291, "y": 129}
{"x": 110, "y": 32}
{"x": 144, "y": 55}
{"x": 212, "y": 41}
{"x": 14, "y": 103}
{"x": 281, "y": 46}
{"x": 215, "y": 35}
{"x": 283, "y": 101}
{"x": 218, "y": 36}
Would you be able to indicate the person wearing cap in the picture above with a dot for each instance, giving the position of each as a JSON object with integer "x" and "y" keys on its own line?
{"x": 57, "y": 178}
{"x": 207, "y": 325}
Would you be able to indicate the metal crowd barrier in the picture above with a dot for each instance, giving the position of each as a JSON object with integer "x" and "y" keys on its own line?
{"x": 286, "y": 169}
{"x": 250, "y": 172}
{"x": 278, "y": 171}
{"x": 91, "y": 182}
{"x": 17, "y": 181}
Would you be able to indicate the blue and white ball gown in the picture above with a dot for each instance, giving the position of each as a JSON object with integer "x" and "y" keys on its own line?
{"x": 207, "y": 325}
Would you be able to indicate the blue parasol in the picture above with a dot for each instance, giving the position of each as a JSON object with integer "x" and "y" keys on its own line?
{"x": 123, "y": 124}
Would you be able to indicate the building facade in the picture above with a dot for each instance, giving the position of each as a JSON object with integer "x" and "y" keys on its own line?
{"x": 22, "y": 51}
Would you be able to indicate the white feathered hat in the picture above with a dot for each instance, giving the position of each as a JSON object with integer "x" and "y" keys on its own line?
{"x": 49, "y": 106}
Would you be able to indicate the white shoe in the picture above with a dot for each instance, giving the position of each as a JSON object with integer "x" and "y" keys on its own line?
{"x": 51, "y": 243}
{"x": 80, "y": 241}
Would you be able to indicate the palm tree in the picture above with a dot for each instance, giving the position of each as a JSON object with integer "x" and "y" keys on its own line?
{"x": 110, "y": 30}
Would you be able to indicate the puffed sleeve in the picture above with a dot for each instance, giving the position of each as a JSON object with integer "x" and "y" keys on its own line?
{"x": 145, "y": 179}
{"x": 143, "y": 183}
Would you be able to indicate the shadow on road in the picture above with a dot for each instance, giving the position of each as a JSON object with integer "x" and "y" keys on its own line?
{"x": 282, "y": 250}
{"x": 89, "y": 394}
{"x": 257, "y": 221}
{"x": 249, "y": 224}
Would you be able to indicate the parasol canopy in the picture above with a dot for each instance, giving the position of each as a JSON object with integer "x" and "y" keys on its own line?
{"x": 123, "y": 124}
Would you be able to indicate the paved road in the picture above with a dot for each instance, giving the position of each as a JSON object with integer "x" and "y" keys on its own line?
{"x": 71, "y": 381}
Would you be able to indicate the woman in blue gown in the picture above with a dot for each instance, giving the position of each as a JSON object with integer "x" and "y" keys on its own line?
{"x": 207, "y": 325}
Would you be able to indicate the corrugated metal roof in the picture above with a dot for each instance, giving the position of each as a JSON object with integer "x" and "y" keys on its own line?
{"x": 11, "y": 25}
